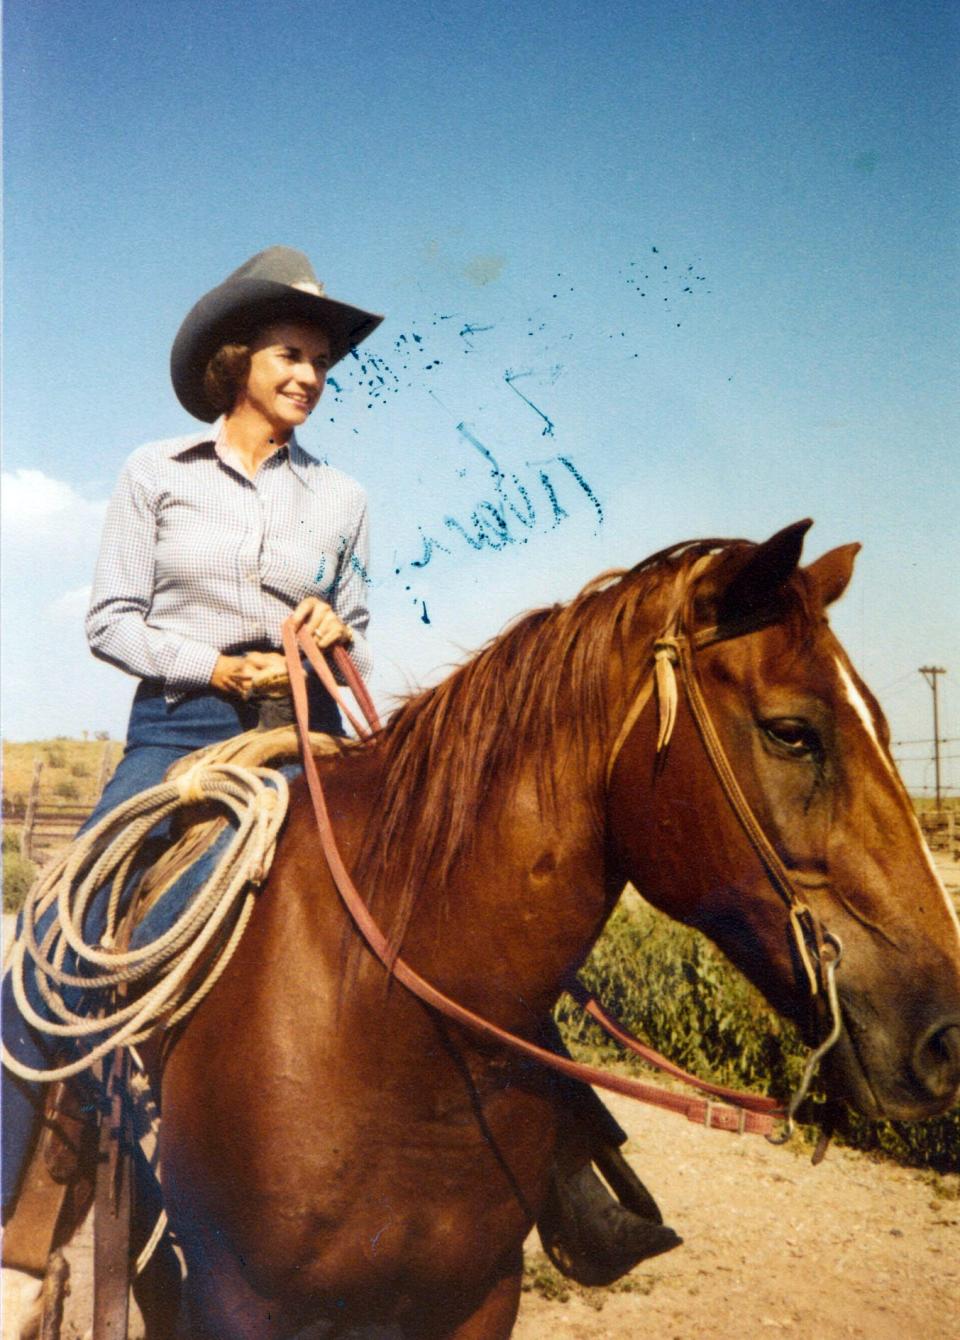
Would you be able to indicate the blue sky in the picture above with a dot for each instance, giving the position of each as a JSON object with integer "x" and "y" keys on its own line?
{"x": 704, "y": 256}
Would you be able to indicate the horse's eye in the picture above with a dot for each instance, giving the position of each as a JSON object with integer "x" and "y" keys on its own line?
{"x": 796, "y": 738}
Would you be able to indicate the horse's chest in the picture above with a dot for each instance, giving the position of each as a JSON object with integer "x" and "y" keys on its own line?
{"x": 427, "y": 1200}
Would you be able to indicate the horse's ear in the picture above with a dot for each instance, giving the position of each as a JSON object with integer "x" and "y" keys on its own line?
{"x": 748, "y": 583}
{"x": 831, "y": 573}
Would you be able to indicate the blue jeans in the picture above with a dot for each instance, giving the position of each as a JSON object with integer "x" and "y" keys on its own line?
{"x": 158, "y": 734}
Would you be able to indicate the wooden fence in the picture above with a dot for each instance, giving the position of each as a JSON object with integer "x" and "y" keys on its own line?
{"x": 50, "y": 824}
{"x": 941, "y": 828}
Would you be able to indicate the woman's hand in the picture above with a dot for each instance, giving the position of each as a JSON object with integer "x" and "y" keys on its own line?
{"x": 265, "y": 664}
{"x": 266, "y": 675}
{"x": 319, "y": 620}
{"x": 231, "y": 674}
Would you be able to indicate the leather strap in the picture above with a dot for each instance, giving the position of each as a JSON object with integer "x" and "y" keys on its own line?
{"x": 695, "y": 1109}
{"x": 588, "y": 1002}
{"x": 113, "y": 1196}
{"x": 112, "y": 1210}
{"x": 29, "y": 1233}
{"x": 48, "y": 1181}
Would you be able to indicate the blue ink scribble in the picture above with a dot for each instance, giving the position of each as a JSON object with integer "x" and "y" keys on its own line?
{"x": 569, "y": 465}
{"x": 558, "y": 512}
{"x": 511, "y": 513}
{"x": 510, "y": 377}
{"x": 467, "y": 330}
{"x": 429, "y": 545}
{"x": 354, "y": 566}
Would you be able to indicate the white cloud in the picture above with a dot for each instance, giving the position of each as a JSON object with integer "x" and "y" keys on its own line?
{"x": 71, "y": 606}
{"x": 50, "y": 538}
{"x": 37, "y": 508}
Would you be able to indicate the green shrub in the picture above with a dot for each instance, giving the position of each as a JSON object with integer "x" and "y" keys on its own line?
{"x": 18, "y": 876}
{"x": 11, "y": 838}
{"x": 67, "y": 790}
{"x": 672, "y": 988}
{"x": 919, "y": 1144}
{"x": 79, "y": 770}
{"x": 55, "y": 756}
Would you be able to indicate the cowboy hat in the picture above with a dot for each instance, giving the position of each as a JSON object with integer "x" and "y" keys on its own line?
{"x": 275, "y": 285}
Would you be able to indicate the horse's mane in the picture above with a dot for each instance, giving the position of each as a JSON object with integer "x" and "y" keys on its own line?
{"x": 446, "y": 747}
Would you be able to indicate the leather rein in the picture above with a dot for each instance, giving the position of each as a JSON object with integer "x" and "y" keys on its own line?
{"x": 819, "y": 951}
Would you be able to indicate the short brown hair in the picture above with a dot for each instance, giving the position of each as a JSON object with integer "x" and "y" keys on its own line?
{"x": 226, "y": 376}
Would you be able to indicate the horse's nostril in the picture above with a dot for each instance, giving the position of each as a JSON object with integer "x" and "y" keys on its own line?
{"x": 936, "y": 1059}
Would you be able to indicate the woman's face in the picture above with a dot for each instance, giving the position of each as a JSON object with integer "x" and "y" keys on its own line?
{"x": 288, "y": 368}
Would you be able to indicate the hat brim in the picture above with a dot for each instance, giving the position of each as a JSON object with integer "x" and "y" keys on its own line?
{"x": 235, "y": 311}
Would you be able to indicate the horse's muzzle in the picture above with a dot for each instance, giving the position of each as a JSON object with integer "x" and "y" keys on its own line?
{"x": 936, "y": 1060}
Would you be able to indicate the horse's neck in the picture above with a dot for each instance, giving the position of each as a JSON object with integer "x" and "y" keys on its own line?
{"x": 526, "y": 901}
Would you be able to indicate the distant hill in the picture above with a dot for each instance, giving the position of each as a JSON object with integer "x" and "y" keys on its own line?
{"x": 72, "y": 770}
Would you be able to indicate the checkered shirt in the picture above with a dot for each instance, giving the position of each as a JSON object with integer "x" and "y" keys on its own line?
{"x": 197, "y": 559}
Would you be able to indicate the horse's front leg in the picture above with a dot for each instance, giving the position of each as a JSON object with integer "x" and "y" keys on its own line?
{"x": 494, "y": 1318}
{"x": 157, "y": 1290}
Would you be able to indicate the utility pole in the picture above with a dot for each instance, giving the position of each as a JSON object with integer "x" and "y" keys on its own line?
{"x": 930, "y": 673}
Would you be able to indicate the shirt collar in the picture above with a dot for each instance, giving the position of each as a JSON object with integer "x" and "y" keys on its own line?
{"x": 182, "y": 445}
{"x": 300, "y": 460}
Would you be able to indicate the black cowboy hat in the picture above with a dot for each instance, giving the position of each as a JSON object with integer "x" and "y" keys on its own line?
{"x": 275, "y": 285}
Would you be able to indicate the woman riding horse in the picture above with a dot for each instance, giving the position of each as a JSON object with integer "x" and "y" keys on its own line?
{"x": 210, "y": 542}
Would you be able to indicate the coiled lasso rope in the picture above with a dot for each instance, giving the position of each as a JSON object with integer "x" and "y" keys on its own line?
{"x": 168, "y": 977}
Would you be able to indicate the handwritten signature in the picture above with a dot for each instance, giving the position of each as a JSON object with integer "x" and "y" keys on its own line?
{"x": 501, "y": 520}
{"x": 515, "y": 508}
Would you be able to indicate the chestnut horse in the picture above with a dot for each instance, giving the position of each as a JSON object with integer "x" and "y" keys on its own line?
{"x": 337, "y": 1158}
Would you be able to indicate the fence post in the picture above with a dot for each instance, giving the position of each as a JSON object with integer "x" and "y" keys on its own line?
{"x": 104, "y": 769}
{"x": 33, "y": 801}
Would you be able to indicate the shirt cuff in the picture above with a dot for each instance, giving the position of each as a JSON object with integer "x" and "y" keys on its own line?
{"x": 193, "y": 666}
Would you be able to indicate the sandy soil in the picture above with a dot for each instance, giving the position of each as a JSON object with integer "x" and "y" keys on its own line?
{"x": 773, "y": 1245}
{"x": 853, "y": 1248}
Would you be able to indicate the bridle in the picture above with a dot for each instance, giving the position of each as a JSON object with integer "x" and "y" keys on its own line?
{"x": 819, "y": 950}
{"x": 674, "y": 651}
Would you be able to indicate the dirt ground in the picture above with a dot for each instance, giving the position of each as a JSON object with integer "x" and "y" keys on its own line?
{"x": 852, "y": 1248}
{"x": 774, "y": 1246}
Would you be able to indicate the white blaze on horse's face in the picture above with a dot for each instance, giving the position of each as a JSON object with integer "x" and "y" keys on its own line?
{"x": 859, "y": 705}
{"x": 856, "y": 700}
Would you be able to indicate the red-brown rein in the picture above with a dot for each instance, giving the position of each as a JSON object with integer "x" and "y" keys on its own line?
{"x": 754, "y": 1113}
